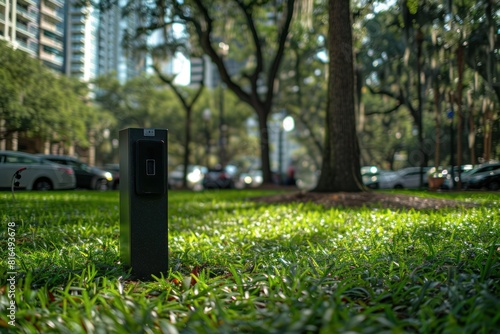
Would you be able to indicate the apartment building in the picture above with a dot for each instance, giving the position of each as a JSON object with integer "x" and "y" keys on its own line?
{"x": 51, "y": 33}
{"x": 35, "y": 27}
{"x": 76, "y": 40}
{"x": 81, "y": 54}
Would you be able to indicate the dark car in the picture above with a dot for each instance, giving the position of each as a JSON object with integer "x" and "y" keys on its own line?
{"x": 220, "y": 178}
{"x": 87, "y": 177}
{"x": 478, "y": 171}
{"x": 490, "y": 181}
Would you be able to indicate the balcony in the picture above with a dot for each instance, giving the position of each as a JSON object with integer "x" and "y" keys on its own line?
{"x": 28, "y": 15}
{"x": 78, "y": 19}
{"x": 77, "y": 60}
{"x": 56, "y": 3}
{"x": 28, "y": 2}
{"x": 33, "y": 46}
{"x": 51, "y": 13}
{"x": 80, "y": 48}
{"x": 24, "y": 46}
{"x": 25, "y": 30}
{"x": 49, "y": 26}
{"x": 44, "y": 40}
{"x": 51, "y": 58}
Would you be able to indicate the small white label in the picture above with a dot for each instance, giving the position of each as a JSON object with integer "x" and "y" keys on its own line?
{"x": 149, "y": 132}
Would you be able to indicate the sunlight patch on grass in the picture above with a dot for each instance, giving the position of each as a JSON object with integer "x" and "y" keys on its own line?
{"x": 240, "y": 266}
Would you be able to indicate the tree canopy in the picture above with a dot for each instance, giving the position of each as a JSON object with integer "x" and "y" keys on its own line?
{"x": 38, "y": 102}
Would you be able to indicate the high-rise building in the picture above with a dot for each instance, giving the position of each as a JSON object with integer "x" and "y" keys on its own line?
{"x": 51, "y": 33}
{"x": 71, "y": 38}
{"x": 19, "y": 24}
{"x": 204, "y": 69}
{"x": 35, "y": 27}
{"x": 132, "y": 60}
{"x": 94, "y": 43}
{"x": 109, "y": 42}
{"x": 82, "y": 26}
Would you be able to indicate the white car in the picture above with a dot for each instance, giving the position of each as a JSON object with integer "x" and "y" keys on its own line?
{"x": 387, "y": 179}
{"x": 195, "y": 175}
{"x": 30, "y": 172}
{"x": 409, "y": 178}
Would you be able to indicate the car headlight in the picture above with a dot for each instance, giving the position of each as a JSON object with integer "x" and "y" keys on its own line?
{"x": 194, "y": 177}
{"x": 108, "y": 176}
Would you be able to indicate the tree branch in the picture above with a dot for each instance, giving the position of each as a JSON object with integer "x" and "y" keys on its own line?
{"x": 283, "y": 36}
{"x": 400, "y": 100}
{"x": 170, "y": 82}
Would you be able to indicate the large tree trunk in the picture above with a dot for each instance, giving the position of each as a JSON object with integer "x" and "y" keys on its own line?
{"x": 341, "y": 167}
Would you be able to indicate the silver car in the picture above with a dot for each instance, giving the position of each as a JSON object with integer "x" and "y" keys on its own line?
{"x": 409, "y": 178}
{"x": 30, "y": 172}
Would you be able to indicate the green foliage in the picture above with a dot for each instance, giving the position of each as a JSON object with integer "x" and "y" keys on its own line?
{"x": 388, "y": 64}
{"x": 39, "y": 102}
{"x": 146, "y": 102}
{"x": 242, "y": 266}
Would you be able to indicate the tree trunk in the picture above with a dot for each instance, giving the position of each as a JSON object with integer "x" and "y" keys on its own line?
{"x": 422, "y": 155}
{"x": 341, "y": 166}
{"x": 472, "y": 129}
{"x": 264, "y": 148}
{"x": 187, "y": 149}
{"x": 488, "y": 130}
{"x": 460, "y": 116}
{"x": 437, "y": 118}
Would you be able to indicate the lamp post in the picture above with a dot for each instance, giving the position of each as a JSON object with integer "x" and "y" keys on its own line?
{"x": 224, "y": 49}
{"x": 286, "y": 125}
{"x": 206, "y": 117}
{"x": 450, "y": 115}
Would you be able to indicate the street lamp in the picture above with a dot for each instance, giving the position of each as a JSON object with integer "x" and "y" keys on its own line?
{"x": 287, "y": 124}
{"x": 450, "y": 116}
{"x": 224, "y": 50}
{"x": 206, "y": 117}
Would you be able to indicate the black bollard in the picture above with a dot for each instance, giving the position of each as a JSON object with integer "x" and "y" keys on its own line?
{"x": 143, "y": 201}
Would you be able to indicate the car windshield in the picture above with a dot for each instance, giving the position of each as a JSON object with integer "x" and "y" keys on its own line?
{"x": 480, "y": 169}
{"x": 19, "y": 159}
{"x": 47, "y": 162}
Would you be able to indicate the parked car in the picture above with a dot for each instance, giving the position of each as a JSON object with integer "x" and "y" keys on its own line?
{"x": 38, "y": 174}
{"x": 87, "y": 177}
{"x": 221, "y": 178}
{"x": 489, "y": 180}
{"x": 250, "y": 179}
{"x": 409, "y": 178}
{"x": 478, "y": 171}
{"x": 387, "y": 179}
{"x": 446, "y": 174}
{"x": 195, "y": 174}
{"x": 375, "y": 178}
{"x": 114, "y": 169}
{"x": 369, "y": 175}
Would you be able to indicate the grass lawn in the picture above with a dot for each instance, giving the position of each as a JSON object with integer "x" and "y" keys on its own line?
{"x": 237, "y": 266}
